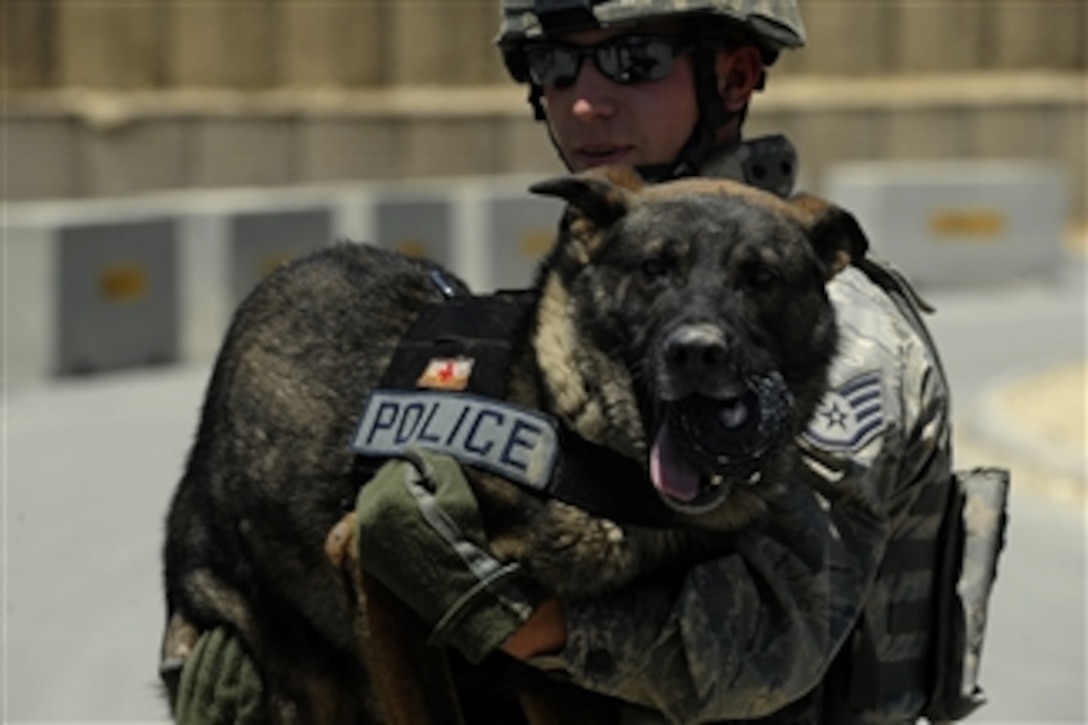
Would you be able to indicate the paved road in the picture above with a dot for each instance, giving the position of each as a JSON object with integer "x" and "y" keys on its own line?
{"x": 89, "y": 466}
{"x": 1034, "y": 665}
{"x": 89, "y": 470}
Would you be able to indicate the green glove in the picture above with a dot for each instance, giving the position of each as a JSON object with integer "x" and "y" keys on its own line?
{"x": 219, "y": 684}
{"x": 420, "y": 534}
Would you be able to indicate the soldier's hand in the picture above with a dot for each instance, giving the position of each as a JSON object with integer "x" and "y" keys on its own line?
{"x": 421, "y": 535}
{"x": 545, "y": 632}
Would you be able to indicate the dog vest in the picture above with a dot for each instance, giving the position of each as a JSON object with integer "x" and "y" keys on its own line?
{"x": 445, "y": 390}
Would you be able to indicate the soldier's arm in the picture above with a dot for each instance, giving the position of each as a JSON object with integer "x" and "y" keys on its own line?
{"x": 746, "y": 635}
{"x": 742, "y": 636}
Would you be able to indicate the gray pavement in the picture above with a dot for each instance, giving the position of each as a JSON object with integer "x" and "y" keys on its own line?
{"x": 88, "y": 467}
{"x": 1016, "y": 358}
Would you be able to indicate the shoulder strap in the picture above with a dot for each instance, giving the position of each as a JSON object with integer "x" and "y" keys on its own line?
{"x": 482, "y": 328}
{"x": 905, "y": 297}
{"x": 890, "y": 279}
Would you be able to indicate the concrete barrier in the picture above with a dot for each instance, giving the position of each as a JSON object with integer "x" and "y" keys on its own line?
{"x": 106, "y": 284}
{"x": 117, "y": 286}
{"x": 99, "y": 285}
{"x": 955, "y": 223}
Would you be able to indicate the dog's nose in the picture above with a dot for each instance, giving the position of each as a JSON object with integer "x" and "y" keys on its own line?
{"x": 692, "y": 352}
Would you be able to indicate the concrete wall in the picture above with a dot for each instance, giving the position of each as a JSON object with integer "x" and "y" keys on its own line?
{"x": 82, "y": 143}
{"x": 107, "y": 99}
{"x": 262, "y": 44}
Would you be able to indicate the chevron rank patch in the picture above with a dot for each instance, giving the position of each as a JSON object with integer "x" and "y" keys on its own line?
{"x": 446, "y": 373}
{"x": 850, "y": 417}
{"x": 517, "y": 443}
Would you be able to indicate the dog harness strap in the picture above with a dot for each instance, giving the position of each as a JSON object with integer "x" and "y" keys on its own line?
{"x": 480, "y": 329}
{"x": 476, "y": 331}
{"x": 604, "y": 483}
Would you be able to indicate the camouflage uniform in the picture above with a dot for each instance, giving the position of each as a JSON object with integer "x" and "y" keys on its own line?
{"x": 831, "y": 611}
{"x": 751, "y": 633}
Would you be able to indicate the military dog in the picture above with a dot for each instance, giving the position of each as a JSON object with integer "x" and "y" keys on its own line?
{"x": 684, "y": 326}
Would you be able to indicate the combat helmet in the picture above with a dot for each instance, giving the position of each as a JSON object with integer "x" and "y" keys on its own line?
{"x": 770, "y": 25}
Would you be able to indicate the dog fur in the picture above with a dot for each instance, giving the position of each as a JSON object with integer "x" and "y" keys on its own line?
{"x": 652, "y": 296}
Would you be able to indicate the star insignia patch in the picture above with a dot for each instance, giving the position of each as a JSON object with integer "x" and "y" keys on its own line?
{"x": 850, "y": 417}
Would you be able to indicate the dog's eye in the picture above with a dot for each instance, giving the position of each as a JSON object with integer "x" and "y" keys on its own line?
{"x": 760, "y": 277}
{"x": 655, "y": 268}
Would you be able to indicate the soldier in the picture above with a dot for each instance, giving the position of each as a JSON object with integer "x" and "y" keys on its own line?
{"x": 844, "y": 609}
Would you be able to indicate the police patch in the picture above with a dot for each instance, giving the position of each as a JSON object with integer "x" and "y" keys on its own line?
{"x": 514, "y": 442}
{"x": 848, "y": 418}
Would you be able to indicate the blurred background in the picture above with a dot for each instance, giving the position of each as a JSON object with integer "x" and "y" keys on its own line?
{"x": 160, "y": 156}
{"x": 108, "y": 98}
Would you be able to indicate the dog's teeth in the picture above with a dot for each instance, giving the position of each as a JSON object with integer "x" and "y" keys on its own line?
{"x": 754, "y": 478}
{"x": 716, "y": 480}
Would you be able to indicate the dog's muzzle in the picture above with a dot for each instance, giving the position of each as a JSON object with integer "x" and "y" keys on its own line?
{"x": 705, "y": 446}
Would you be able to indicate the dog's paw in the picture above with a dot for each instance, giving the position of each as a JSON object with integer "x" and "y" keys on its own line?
{"x": 578, "y": 555}
{"x": 177, "y": 643}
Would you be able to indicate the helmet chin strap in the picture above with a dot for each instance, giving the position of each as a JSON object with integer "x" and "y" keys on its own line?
{"x": 536, "y": 95}
{"x": 704, "y": 134}
{"x": 713, "y": 115}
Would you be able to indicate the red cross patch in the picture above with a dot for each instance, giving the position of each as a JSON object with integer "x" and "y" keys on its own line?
{"x": 446, "y": 373}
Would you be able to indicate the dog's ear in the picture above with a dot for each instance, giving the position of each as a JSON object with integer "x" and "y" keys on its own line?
{"x": 835, "y": 234}
{"x": 601, "y": 195}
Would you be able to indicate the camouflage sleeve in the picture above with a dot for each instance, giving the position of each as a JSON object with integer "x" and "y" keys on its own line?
{"x": 745, "y": 635}
{"x": 219, "y": 684}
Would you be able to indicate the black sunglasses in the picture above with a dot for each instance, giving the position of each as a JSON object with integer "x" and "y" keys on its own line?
{"x": 626, "y": 59}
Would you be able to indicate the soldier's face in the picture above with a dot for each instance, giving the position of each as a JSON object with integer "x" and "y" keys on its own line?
{"x": 596, "y": 120}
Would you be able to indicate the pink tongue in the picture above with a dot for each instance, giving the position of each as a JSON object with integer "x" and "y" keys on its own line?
{"x": 670, "y": 473}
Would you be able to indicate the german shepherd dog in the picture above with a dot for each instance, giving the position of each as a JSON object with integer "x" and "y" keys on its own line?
{"x": 684, "y": 326}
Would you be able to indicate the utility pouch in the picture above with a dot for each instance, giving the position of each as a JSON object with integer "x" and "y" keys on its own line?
{"x": 972, "y": 540}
